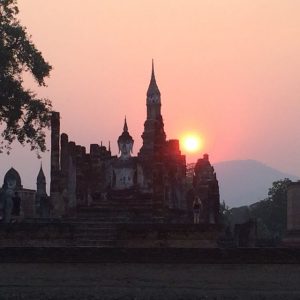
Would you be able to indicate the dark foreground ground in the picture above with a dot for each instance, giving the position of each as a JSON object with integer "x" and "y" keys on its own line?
{"x": 149, "y": 281}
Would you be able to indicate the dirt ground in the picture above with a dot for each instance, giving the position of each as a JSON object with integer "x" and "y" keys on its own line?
{"x": 149, "y": 281}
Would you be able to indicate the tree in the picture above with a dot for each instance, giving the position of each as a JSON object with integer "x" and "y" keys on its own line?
{"x": 272, "y": 212}
{"x": 23, "y": 116}
{"x": 225, "y": 214}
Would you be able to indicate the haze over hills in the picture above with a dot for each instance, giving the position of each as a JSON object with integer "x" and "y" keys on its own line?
{"x": 243, "y": 182}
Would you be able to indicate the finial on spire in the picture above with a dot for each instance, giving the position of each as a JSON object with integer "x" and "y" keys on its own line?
{"x": 153, "y": 88}
{"x": 41, "y": 175}
{"x": 152, "y": 73}
{"x": 125, "y": 128}
{"x": 108, "y": 145}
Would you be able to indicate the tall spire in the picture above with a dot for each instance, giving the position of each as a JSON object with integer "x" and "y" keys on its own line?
{"x": 125, "y": 128}
{"x": 153, "y": 88}
{"x": 41, "y": 175}
{"x": 154, "y": 137}
{"x": 40, "y": 184}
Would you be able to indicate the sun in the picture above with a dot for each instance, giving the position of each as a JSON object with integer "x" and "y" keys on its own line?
{"x": 191, "y": 143}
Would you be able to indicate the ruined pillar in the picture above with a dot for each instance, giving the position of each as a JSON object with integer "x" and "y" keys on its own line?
{"x": 55, "y": 132}
{"x": 56, "y": 184}
{"x": 64, "y": 154}
{"x": 293, "y": 207}
{"x": 72, "y": 182}
{"x": 292, "y": 237}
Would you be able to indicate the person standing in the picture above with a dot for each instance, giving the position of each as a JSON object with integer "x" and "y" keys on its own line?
{"x": 196, "y": 210}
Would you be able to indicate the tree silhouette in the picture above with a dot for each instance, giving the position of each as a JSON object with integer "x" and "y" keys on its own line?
{"x": 272, "y": 212}
{"x": 22, "y": 115}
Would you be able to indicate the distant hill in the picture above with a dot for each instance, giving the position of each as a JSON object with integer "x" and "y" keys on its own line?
{"x": 243, "y": 182}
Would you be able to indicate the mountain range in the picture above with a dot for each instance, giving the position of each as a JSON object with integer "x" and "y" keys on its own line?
{"x": 243, "y": 182}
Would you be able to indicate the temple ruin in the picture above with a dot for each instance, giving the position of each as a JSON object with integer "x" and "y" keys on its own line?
{"x": 151, "y": 186}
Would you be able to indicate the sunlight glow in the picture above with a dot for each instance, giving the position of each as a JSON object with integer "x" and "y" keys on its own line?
{"x": 191, "y": 143}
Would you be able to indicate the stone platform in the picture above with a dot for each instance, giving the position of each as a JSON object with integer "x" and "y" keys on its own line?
{"x": 125, "y": 281}
{"x": 150, "y": 255}
{"x": 111, "y": 232}
{"x": 105, "y": 271}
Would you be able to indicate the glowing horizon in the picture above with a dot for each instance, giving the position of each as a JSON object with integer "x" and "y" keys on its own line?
{"x": 229, "y": 70}
{"x": 191, "y": 143}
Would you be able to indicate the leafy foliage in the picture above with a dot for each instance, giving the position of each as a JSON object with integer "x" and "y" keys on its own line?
{"x": 225, "y": 214}
{"x": 272, "y": 212}
{"x": 22, "y": 115}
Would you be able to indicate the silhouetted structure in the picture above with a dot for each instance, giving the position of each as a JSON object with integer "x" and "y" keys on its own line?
{"x": 151, "y": 185}
{"x": 42, "y": 199}
{"x": 206, "y": 187}
{"x": 292, "y": 237}
{"x": 26, "y": 202}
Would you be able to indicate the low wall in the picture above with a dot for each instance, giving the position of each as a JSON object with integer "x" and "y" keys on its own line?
{"x": 168, "y": 235}
{"x": 51, "y": 233}
{"x": 36, "y": 234}
{"x": 150, "y": 255}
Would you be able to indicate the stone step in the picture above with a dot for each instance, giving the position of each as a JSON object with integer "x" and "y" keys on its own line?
{"x": 113, "y": 209}
{"x": 95, "y": 243}
{"x": 94, "y": 234}
{"x": 95, "y": 230}
{"x": 87, "y": 220}
{"x": 98, "y": 228}
{"x": 105, "y": 219}
{"x": 108, "y": 222}
{"x": 122, "y": 206}
{"x": 89, "y": 236}
{"x": 126, "y": 221}
{"x": 102, "y": 217}
{"x": 116, "y": 207}
{"x": 114, "y": 215}
{"x": 88, "y": 223}
{"x": 104, "y": 213}
{"x": 122, "y": 202}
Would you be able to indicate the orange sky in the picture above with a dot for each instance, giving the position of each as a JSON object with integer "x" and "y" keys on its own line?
{"x": 229, "y": 70}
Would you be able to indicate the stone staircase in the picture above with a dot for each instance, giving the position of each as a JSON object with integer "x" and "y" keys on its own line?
{"x": 95, "y": 234}
{"x": 124, "y": 203}
{"x": 117, "y": 211}
{"x": 97, "y": 225}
